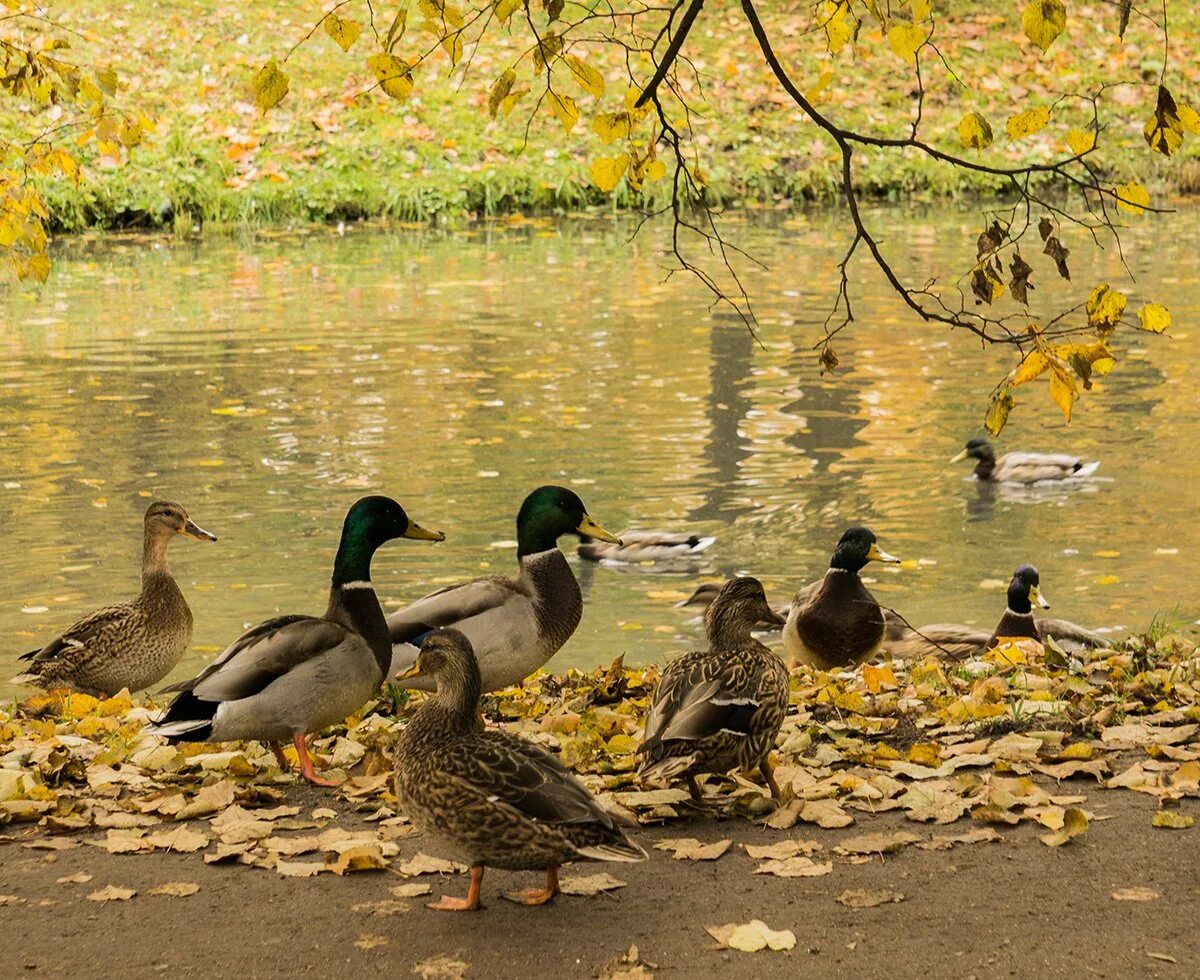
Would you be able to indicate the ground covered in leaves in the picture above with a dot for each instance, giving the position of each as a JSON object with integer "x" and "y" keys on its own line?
{"x": 960, "y": 818}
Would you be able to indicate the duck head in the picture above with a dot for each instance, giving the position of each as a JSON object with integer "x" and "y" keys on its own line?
{"x": 550, "y": 512}
{"x": 1025, "y": 589}
{"x": 371, "y": 522}
{"x": 855, "y": 548}
{"x": 165, "y": 517}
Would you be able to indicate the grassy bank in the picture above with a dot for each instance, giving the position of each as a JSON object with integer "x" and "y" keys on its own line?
{"x": 337, "y": 150}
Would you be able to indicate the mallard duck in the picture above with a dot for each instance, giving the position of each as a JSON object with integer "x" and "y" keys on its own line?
{"x": 961, "y": 642}
{"x": 514, "y": 624}
{"x": 707, "y": 592}
{"x": 719, "y": 709}
{"x": 492, "y": 798}
{"x": 637, "y": 547}
{"x": 838, "y": 624}
{"x": 293, "y": 675}
{"x": 1023, "y": 467}
{"x": 132, "y": 644}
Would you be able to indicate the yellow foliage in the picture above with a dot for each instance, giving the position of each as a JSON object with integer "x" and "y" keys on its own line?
{"x": 612, "y": 126}
{"x": 270, "y": 86}
{"x": 974, "y": 132}
{"x": 1063, "y": 390}
{"x": 506, "y": 8}
{"x": 906, "y": 40}
{"x": 837, "y": 26}
{"x": 564, "y": 107}
{"x": 590, "y": 80}
{"x": 393, "y": 75}
{"x": 1032, "y": 366}
{"x": 608, "y": 171}
{"x": 1154, "y": 317}
{"x": 1080, "y": 141}
{"x": 1105, "y": 306}
{"x": 1133, "y": 197}
{"x": 1043, "y": 21}
{"x": 343, "y": 31}
{"x": 1028, "y": 122}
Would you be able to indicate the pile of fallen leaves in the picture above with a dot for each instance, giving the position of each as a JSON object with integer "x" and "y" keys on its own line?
{"x": 986, "y": 740}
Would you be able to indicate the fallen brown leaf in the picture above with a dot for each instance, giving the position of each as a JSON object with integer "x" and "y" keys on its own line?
{"x": 868, "y": 898}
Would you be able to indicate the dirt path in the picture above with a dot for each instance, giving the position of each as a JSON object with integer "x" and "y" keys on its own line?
{"x": 1010, "y": 909}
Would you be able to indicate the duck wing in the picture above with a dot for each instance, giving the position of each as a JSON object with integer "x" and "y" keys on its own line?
{"x": 103, "y": 625}
{"x": 263, "y": 654}
{"x": 1034, "y": 467}
{"x": 699, "y": 696}
{"x": 452, "y": 605}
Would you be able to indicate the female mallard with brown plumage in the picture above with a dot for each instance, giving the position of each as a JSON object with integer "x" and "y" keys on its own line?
{"x": 838, "y": 624}
{"x": 514, "y": 624}
{"x": 1019, "y": 620}
{"x": 1023, "y": 467}
{"x": 492, "y": 798}
{"x": 132, "y": 644}
{"x": 293, "y": 675}
{"x": 719, "y": 709}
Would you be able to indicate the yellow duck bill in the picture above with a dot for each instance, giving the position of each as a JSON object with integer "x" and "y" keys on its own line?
{"x": 418, "y": 533}
{"x": 591, "y": 529}
{"x": 876, "y": 554}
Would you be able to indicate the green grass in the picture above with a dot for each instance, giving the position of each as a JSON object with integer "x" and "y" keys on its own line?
{"x": 331, "y": 153}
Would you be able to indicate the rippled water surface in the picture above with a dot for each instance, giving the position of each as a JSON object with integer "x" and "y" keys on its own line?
{"x": 267, "y": 382}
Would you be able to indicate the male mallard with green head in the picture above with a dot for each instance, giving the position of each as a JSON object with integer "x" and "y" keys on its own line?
{"x": 1023, "y": 467}
{"x": 514, "y": 624}
{"x": 132, "y": 644}
{"x": 294, "y": 675}
{"x": 959, "y": 642}
{"x": 839, "y": 624}
{"x": 721, "y": 708}
{"x": 490, "y": 797}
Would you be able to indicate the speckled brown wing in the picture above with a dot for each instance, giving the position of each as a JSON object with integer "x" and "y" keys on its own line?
{"x": 508, "y": 804}
{"x": 719, "y": 710}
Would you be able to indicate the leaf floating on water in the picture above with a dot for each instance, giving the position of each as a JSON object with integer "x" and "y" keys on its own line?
{"x": 752, "y": 936}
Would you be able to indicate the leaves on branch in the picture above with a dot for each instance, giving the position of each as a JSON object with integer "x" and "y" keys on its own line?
{"x": 1104, "y": 308}
{"x": 990, "y": 239}
{"x": 608, "y": 171}
{"x": 1154, "y": 317}
{"x": 1019, "y": 283}
{"x": 500, "y": 90}
{"x": 1125, "y": 6}
{"x": 986, "y": 284}
{"x": 343, "y": 31}
{"x": 393, "y": 75}
{"x": 270, "y": 86}
{"x": 1059, "y": 253}
{"x": 1043, "y": 21}
{"x": 590, "y": 80}
{"x": 563, "y": 106}
{"x": 974, "y": 132}
{"x": 1028, "y": 122}
{"x": 906, "y": 40}
{"x": 839, "y": 24}
{"x": 1080, "y": 141}
{"x": 1133, "y": 197}
{"x": 1164, "y": 129}
{"x": 506, "y": 8}
{"x": 998, "y": 411}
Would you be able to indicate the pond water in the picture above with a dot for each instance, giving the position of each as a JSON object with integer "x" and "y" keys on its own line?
{"x": 266, "y": 382}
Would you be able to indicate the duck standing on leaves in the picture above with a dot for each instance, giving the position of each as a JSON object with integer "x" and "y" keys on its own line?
{"x": 720, "y": 709}
{"x": 492, "y": 798}
{"x": 132, "y": 644}
{"x": 294, "y": 675}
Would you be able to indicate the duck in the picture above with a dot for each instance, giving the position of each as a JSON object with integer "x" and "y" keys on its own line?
{"x": 640, "y": 547}
{"x": 706, "y": 592}
{"x": 1019, "y": 620}
{"x": 293, "y": 675}
{"x": 130, "y": 645}
{"x": 1023, "y": 467}
{"x": 838, "y": 624}
{"x": 720, "y": 709}
{"x": 514, "y": 624}
{"x": 490, "y": 797}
